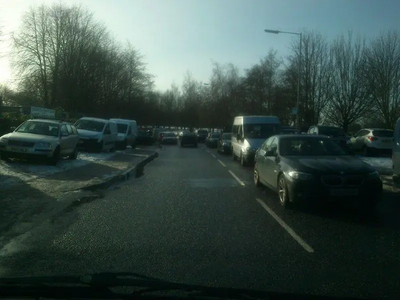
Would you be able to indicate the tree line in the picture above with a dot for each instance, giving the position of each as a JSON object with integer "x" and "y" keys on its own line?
{"x": 65, "y": 58}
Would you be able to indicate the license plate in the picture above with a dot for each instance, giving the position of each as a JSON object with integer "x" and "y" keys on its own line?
{"x": 23, "y": 150}
{"x": 344, "y": 192}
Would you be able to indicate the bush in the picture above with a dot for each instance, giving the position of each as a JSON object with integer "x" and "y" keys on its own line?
{"x": 11, "y": 120}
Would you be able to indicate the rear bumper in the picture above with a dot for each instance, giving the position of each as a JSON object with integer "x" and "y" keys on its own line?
{"x": 315, "y": 192}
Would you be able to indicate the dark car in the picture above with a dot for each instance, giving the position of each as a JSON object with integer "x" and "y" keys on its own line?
{"x": 212, "y": 140}
{"x": 144, "y": 138}
{"x": 335, "y": 133}
{"x": 168, "y": 138}
{"x": 202, "y": 135}
{"x": 189, "y": 139}
{"x": 224, "y": 143}
{"x": 314, "y": 168}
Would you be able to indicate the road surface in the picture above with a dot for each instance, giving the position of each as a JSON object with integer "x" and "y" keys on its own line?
{"x": 196, "y": 217}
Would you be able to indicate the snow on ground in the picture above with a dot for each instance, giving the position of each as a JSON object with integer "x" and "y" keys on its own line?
{"x": 382, "y": 164}
{"x": 16, "y": 171}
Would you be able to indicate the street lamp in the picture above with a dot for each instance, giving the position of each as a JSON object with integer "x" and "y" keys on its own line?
{"x": 298, "y": 77}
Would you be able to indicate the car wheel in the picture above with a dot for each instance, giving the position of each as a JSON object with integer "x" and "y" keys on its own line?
{"x": 56, "y": 157}
{"x": 256, "y": 177}
{"x": 242, "y": 160}
{"x": 283, "y": 192}
{"x": 112, "y": 149}
{"x": 99, "y": 147}
{"x": 74, "y": 155}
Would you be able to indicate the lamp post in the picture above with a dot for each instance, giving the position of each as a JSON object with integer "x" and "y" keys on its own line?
{"x": 298, "y": 77}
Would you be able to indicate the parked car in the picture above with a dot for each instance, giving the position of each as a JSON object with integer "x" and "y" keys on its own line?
{"x": 224, "y": 143}
{"x": 335, "y": 133}
{"x": 37, "y": 138}
{"x": 396, "y": 154}
{"x": 127, "y": 133}
{"x": 97, "y": 134}
{"x": 212, "y": 140}
{"x": 144, "y": 138}
{"x": 314, "y": 168}
{"x": 169, "y": 138}
{"x": 372, "y": 141}
{"x": 202, "y": 135}
{"x": 189, "y": 139}
{"x": 248, "y": 134}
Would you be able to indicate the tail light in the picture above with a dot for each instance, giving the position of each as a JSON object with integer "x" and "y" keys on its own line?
{"x": 373, "y": 138}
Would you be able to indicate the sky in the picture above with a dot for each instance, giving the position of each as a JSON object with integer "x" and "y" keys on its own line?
{"x": 176, "y": 36}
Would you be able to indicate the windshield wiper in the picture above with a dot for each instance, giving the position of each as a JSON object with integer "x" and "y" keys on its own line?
{"x": 99, "y": 286}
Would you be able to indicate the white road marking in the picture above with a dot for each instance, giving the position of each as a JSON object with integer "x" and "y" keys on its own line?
{"x": 285, "y": 226}
{"x": 213, "y": 156}
{"x": 237, "y": 178}
{"x": 221, "y": 163}
{"x": 208, "y": 151}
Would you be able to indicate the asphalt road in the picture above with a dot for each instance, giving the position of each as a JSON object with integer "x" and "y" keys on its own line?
{"x": 196, "y": 217}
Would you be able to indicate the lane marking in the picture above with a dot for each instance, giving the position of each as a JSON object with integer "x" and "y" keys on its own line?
{"x": 213, "y": 155}
{"x": 237, "y": 178}
{"x": 222, "y": 163}
{"x": 208, "y": 151}
{"x": 285, "y": 226}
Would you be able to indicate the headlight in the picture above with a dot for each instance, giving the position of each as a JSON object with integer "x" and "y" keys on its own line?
{"x": 3, "y": 141}
{"x": 373, "y": 174}
{"x": 299, "y": 175}
{"x": 44, "y": 146}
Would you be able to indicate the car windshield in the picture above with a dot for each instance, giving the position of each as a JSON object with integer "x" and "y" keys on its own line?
{"x": 42, "y": 128}
{"x": 260, "y": 131}
{"x": 90, "y": 125}
{"x": 215, "y": 136}
{"x": 226, "y": 136}
{"x": 122, "y": 128}
{"x": 331, "y": 131}
{"x": 299, "y": 146}
{"x": 383, "y": 133}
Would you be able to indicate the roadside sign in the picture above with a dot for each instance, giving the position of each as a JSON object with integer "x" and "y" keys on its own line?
{"x": 41, "y": 112}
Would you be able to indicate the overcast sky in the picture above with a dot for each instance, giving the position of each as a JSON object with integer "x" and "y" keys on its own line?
{"x": 179, "y": 35}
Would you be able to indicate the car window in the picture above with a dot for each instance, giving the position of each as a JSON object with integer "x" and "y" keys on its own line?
{"x": 64, "y": 130}
{"x": 107, "y": 129}
{"x": 309, "y": 146}
{"x": 69, "y": 129}
{"x": 74, "y": 129}
{"x": 129, "y": 130}
{"x": 260, "y": 131}
{"x": 90, "y": 125}
{"x": 273, "y": 145}
{"x": 383, "y": 133}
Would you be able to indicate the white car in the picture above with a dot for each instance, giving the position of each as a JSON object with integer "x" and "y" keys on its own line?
{"x": 49, "y": 139}
{"x": 372, "y": 141}
{"x": 97, "y": 134}
{"x": 127, "y": 133}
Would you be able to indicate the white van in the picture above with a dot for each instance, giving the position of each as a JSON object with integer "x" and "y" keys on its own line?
{"x": 248, "y": 134}
{"x": 127, "y": 133}
{"x": 396, "y": 154}
{"x": 96, "y": 134}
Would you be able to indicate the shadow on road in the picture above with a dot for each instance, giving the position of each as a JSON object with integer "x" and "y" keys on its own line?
{"x": 21, "y": 205}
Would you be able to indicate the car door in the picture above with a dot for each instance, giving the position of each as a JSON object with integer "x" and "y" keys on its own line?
{"x": 262, "y": 160}
{"x": 271, "y": 163}
{"x": 74, "y": 138}
{"x": 65, "y": 140}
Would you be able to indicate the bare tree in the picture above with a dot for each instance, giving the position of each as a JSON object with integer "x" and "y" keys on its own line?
{"x": 350, "y": 98}
{"x": 315, "y": 76}
{"x": 382, "y": 74}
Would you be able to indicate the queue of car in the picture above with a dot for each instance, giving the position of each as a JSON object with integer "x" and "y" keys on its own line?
{"x": 52, "y": 139}
{"x": 318, "y": 165}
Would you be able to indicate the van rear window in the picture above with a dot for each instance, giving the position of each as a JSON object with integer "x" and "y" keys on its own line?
{"x": 260, "y": 131}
